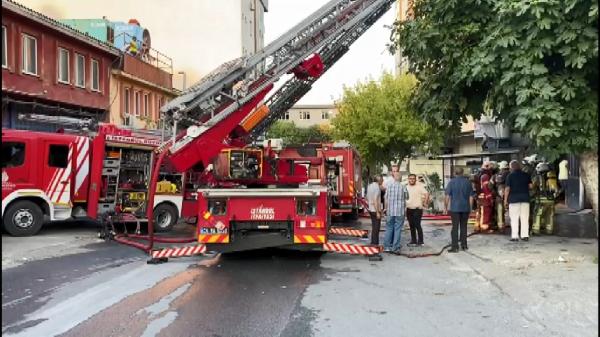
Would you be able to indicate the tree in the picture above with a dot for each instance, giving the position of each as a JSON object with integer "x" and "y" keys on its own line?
{"x": 377, "y": 119}
{"x": 533, "y": 64}
{"x": 291, "y": 134}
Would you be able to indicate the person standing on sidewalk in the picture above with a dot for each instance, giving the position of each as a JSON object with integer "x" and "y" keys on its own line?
{"x": 418, "y": 199}
{"x": 516, "y": 198}
{"x": 395, "y": 204}
{"x": 459, "y": 194}
{"x": 375, "y": 208}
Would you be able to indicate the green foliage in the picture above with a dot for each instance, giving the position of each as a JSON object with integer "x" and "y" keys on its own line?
{"x": 532, "y": 63}
{"x": 435, "y": 180}
{"x": 291, "y": 134}
{"x": 377, "y": 119}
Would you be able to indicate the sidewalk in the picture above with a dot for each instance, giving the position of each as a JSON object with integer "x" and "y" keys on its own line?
{"x": 545, "y": 287}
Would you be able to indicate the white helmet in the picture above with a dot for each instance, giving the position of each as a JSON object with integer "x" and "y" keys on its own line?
{"x": 531, "y": 159}
{"x": 542, "y": 167}
{"x": 503, "y": 165}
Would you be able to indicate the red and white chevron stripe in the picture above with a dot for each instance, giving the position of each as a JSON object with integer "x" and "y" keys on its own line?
{"x": 179, "y": 252}
{"x": 351, "y": 249}
{"x": 361, "y": 233}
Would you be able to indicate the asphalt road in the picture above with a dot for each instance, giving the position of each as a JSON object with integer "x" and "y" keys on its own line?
{"x": 546, "y": 287}
{"x": 243, "y": 294}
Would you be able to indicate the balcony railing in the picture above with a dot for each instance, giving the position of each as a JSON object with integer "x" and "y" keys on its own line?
{"x": 148, "y": 55}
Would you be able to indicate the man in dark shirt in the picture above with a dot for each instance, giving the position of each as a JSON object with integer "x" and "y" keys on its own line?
{"x": 516, "y": 198}
{"x": 459, "y": 194}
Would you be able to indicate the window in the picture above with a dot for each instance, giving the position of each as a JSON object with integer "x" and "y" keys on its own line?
{"x": 285, "y": 116}
{"x": 95, "y": 75}
{"x": 63, "y": 65}
{"x": 304, "y": 114}
{"x": 58, "y": 156}
{"x": 146, "y": 105}
{"x": 79, "y": 70}
{"x": 4, "y": 50}
{"x": 29, "y": 55}
{"x": 126, "y": 102}
{"x": 13, "y": 154}
{"x": 136, "y": 103}
{"x": 325, "y": 114}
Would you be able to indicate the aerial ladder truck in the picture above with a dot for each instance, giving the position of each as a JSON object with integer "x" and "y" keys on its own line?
{"x": 256, "y": 200}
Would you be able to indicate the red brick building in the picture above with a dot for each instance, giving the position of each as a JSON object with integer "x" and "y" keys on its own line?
{"x": 50, "y": 70}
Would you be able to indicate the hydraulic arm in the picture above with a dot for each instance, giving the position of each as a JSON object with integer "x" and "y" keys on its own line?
{"x": 214, "y": 107}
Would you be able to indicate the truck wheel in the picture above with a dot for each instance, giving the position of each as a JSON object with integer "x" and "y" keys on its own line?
{"x": 165, "y": 217}
{"x": 23, "y": 218}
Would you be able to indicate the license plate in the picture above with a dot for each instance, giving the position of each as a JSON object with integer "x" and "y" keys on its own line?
{"x": 212, "y": 230}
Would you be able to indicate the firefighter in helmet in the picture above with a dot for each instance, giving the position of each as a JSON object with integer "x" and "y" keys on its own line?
{"x": 544, "y": 191}
{"x": 500, "y": 182}
{"x": 486, "y": 197}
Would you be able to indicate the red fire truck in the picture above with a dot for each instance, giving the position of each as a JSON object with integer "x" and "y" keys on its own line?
{"x": 58, "y": 176}
{"x": 339, "y": 168}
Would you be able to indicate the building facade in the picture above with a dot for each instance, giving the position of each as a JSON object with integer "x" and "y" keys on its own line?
{"x": 142, "y": 81}
{"x": 310, "y": 115}
{"x": 50, "y": 71}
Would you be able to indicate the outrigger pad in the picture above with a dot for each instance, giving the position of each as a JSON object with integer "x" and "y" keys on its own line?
{"x": 376, "y": 257}
{"x": 158, "y": 260}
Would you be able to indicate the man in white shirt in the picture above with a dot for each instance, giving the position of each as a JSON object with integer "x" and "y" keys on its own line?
{"x": 375, "y": 207}
{"x": 418, "y": 199}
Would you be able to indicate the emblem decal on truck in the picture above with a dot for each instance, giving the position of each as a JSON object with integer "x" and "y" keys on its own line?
{"x": 5, "y": 184}
{"x": 262, "y": 213}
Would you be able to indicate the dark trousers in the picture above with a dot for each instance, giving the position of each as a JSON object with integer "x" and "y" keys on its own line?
{"x": 376, "y": 225}
{"x": 414, "y": 222}
{"x": 459, "y": 219}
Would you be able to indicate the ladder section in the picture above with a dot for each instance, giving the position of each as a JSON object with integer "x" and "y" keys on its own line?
{"x": 237, "y": 82}
{"x": 295, "y": 88}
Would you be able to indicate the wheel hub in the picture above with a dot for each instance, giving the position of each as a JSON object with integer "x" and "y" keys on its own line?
{"x": 163, "y": 219}
{"x": 23, "y": 218}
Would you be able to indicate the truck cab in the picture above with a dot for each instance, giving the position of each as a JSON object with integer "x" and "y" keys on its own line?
{"x": 38, "y": 179}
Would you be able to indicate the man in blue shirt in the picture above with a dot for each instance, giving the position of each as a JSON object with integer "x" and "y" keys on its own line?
{"x": 459, "y": 194}
{"x": 516, "y": 198}
{"x": 396, "y": 195}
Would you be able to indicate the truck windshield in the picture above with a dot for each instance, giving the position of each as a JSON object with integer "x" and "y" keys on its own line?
{"x": 13, "y": 154}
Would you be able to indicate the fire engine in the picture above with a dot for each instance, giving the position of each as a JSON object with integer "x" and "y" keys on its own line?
{"x": 58, "y": 176}
{"x": 256, "y": 198}
{"x": 339, "y": 168}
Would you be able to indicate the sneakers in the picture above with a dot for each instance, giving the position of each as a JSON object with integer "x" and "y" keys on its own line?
{"x": 453, "y": 250}
{"x": 387, "y": 250}
{"x": 395, "y": 252}
{"x": 412, "y": 244}
{"x": 514, "y": 239}
{"x": 420, "y": 244}
{"x": 525, "y": 239}
{"x": 464, "y": 247}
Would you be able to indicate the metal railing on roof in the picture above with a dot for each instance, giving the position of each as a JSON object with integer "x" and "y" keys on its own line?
{"x": 148, "y": 55}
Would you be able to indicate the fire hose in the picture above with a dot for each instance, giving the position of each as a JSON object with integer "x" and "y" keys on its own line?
{"x": 126, "y": 238}
{"x": 412, "y": 256}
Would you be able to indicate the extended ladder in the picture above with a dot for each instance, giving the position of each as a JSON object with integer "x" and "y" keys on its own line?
{"x": 336, "y": 24}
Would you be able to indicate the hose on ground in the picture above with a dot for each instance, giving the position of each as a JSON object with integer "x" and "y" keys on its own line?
{"x": 413, "y": 256}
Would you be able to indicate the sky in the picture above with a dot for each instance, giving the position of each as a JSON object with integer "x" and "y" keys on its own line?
{"x": 176, "y": 31}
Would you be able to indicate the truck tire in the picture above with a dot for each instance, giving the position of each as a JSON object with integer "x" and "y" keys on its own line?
{"x": 23, "y": 218}
{"x": 165, "y": 217}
